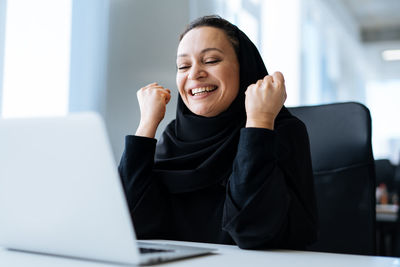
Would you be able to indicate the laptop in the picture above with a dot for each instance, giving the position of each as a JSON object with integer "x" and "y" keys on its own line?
{"x": 61, "y": 194}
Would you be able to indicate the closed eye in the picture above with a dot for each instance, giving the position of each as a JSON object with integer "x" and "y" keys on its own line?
{"x": 183, "y": 67}
{"x": 213, "y": 61}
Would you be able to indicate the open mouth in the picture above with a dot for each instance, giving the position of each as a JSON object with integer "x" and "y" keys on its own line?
{"x": 203, "y": 90}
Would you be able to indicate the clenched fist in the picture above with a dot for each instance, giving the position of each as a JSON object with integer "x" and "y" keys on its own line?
{"x": 264, "y": 100}
{"x": 153, "y": 100}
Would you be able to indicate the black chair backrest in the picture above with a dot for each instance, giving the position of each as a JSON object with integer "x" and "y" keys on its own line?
{"x": 344, "y": 175}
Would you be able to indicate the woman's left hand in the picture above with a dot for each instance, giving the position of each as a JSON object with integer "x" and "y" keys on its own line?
{"x": 264, "y": 100}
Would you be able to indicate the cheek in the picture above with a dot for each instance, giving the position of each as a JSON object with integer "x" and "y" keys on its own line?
{"x": 232, "y": 82}
{"x": 235, "y": 85}
{"x": 180, "y": 83}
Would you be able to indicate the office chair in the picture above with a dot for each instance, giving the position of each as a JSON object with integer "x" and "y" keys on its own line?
{"x": 344, "y": 176}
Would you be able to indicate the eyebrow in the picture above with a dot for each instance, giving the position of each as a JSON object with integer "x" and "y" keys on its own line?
{"x": 204, "y": 51}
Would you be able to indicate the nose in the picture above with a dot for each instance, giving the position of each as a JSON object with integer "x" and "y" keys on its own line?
{"x": 196, "y": 72}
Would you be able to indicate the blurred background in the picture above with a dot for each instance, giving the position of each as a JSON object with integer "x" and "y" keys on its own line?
{"x": 64, "y": 56}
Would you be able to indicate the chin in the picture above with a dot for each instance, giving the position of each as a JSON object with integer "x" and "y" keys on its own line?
{"x": 202, "y": 112}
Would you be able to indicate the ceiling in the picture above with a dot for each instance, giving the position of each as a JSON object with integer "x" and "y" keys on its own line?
{"x": 375, "y": 13}
{"x": 379, "y": 20}
{"x": 379, "y": 28}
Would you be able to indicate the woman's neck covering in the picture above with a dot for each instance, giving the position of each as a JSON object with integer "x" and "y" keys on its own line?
{"x": 195, "y": 152}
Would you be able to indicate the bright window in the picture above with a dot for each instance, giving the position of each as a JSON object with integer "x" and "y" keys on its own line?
{"x": 383, "y": 102}
{"x": 36, "y": 58}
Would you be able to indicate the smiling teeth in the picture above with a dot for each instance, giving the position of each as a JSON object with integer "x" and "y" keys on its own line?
{"x": 200, "y": 90}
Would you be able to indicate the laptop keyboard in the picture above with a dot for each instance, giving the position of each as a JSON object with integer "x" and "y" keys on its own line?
{"x": 154, "y": 250}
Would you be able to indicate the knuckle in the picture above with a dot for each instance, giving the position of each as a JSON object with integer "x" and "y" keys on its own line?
{"x": 279, "y": 76}
{"x": 268, "y": 79}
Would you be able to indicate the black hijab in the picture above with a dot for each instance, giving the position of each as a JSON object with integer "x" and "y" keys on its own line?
{"x": 195, "y": 152}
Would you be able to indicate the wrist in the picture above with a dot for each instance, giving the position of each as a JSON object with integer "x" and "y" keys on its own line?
{"x": 257, "y": 124}
{"x": 260, "y": 123}
{"x": 147, "y": 129}
{"x": 260, "y": 120}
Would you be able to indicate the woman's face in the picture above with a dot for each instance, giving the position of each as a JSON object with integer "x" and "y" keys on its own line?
{"x": 208, "y": 71}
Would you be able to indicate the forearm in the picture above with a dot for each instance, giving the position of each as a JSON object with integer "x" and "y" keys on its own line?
{"x": 269, "y": 201}
{"x": 255, "y": 161}
{"x": 136, "y": 166}
{"x": 147, "y": 201}
{"x": 265, "y": 121}
{"x": 147, "y": 130}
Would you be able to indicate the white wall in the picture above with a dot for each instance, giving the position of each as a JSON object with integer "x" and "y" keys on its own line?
{"x": 143, "y": 37}
{"x": 89, "y": 44}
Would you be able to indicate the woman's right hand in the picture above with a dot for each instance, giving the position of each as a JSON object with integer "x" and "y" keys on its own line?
{"x": 153, "y": 99}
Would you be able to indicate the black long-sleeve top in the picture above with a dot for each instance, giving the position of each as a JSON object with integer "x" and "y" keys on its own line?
{"x": 268, "y": 201}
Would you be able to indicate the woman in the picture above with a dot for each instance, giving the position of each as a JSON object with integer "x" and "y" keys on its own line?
{"x": 234, "y": 166}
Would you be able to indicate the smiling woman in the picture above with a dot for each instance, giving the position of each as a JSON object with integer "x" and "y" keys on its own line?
{"x": 208, "y": 72}
{"x": 234, "y": 166}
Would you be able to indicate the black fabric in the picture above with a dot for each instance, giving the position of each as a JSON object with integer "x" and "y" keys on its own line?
{"x": 343, "y": 166}
{"x": 211, "y": 180}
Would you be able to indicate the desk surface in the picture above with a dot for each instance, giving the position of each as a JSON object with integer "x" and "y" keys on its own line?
{"x": 224, "y": 256}
{"x": 387, "y": 212}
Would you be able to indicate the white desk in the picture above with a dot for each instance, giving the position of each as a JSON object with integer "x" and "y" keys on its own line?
{"x": 387, "y": 212}
{"x": 230, "y": 256}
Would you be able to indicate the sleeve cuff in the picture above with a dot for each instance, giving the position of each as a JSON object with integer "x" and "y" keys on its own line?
{"x": 258, "y": 141}
{"x": 139, "y": 143}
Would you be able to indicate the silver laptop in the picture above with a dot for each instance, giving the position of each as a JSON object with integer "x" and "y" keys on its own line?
{"x": 60, "y": 193}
